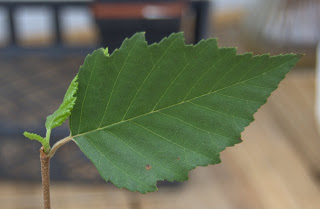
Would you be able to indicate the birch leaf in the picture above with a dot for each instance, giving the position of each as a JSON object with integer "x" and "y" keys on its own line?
{"x": 153, "y": 112}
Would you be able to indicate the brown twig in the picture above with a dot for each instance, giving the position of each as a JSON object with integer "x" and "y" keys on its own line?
{"x": 45, "y": 173}
{"x": 45, "y": 169}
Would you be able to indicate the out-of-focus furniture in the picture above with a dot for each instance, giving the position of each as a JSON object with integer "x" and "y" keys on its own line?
{"x": 120, "y": 19}
{"x": 57, "y": 47}
{"x": 116, "y": 20}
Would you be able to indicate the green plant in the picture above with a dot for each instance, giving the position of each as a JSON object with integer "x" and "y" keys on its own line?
{"x": 149, "y": 113}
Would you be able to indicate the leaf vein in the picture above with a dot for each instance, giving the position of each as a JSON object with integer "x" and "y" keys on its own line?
{"x": 152, "y": 69}
{"x": 203, "y": 76}
{"x": 178, "y": 76}
{"x": 238, "y": 98}
{"x": 228, "y": 73}
{"x": 197, "y": 128}
{"x": 204, "y": 107}
{"x": 106, "y": 110}
{"x": 162, "y": 137}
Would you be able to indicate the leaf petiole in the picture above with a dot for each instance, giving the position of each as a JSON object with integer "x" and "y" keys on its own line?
{"x": 58, "y": 144}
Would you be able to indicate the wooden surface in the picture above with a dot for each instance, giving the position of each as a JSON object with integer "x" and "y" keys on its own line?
{"x": 276, "y": 167}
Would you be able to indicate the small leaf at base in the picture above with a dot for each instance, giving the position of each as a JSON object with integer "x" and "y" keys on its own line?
{"x": 33, "y": 136}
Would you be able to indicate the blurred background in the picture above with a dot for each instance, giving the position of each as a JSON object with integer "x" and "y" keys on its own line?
{"x": 43, "y": 43}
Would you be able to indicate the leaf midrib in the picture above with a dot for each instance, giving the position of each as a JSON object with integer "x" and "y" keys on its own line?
{"x": 185, "y": 101}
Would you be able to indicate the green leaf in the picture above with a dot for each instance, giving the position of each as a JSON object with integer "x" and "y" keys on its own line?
{"x": 63, "y": 112}
{"x": 149, "y": 113}
{"x": 58, "y": 117}
{"x": 34, "y": 137}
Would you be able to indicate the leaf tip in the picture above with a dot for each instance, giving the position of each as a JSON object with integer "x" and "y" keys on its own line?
{"x": 25, "y": 133}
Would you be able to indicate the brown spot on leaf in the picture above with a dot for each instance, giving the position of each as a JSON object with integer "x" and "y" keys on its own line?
{"x": 178, "y": 158}
{"x": 148, "y": 167}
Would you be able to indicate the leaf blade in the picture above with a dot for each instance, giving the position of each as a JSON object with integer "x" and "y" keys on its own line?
{"x": 64, "y": 110}
{"x": 161, "y": 110}
{"x": 33, "y": 136}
